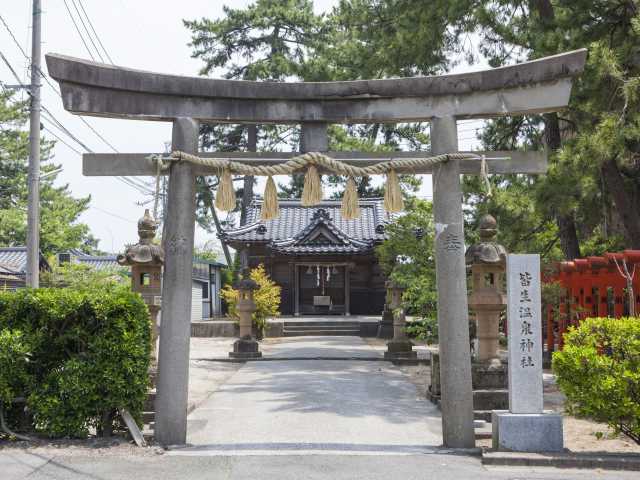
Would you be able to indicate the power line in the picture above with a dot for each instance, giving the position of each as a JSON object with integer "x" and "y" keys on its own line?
{"x": 4, "y": 59}
{"x": 95, "y": 33}
{"x": 78, "y": 30}
{"x": 84, "y": 25}
{"x": 44, "y": 127}
{"x": 112, "y": 214}
{"x": 138, "y": 185}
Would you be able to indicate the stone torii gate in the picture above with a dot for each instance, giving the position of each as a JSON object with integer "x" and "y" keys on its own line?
{"x": 539, "y": 86}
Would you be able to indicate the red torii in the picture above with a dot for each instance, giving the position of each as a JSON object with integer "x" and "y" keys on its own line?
{"x": 594, "y": 287}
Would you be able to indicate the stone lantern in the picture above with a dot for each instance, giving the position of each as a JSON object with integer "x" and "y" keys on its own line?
{"x": 246, "y": 346}
{"x": 399, "y": 347}
{"x": 487, "y": 261}
{"x": 146, "y": 259}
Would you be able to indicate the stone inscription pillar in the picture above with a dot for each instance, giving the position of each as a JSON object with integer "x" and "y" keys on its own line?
{"x": 453, "y": 315}
{"x": 175, "y": 324}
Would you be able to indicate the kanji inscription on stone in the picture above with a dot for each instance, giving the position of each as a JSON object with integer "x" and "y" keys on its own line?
{"x": 524, "y": 334}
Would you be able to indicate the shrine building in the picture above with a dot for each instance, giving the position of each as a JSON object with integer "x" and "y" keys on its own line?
{"x": 323, "y": 263}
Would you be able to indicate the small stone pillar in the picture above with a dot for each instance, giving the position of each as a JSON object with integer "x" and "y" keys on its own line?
{"x": 400, "y": 347}
{"x": 487, "y": 262}
{"x": 146, "y": 259}
{"x": 246, "y": 346}
{"x": 385, "y": 328}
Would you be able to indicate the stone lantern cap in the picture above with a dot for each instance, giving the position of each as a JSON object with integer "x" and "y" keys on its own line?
{"x": 145, "y": 252}
{"x": 394, "y": 285}
{"x": 247, "y": 283}
{"x": 487, "y": 251}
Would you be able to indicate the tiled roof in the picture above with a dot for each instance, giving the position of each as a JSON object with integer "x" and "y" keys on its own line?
{"x": 13, "y": 260}
{"x": 313, "y": 230}
{"x": 99, "y": 262}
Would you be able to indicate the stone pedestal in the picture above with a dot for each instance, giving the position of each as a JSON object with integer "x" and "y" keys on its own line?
{"x": 490, "y": 387}
{"x": 245, "y": 348}
{"x": 527, "y": 432}
{"x": 400, "y": 350}
{"x": 385, "y": 328}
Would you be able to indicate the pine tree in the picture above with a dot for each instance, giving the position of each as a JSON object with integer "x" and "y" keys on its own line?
{"x": 59, "y": 226}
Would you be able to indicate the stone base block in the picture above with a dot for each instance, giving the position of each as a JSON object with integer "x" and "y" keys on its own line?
{"x": 527, "y": 432}
{"x": 491, "y": 399}
{"x": 400, "y": 350}
{"x": 385, "y": 328}
{"x": 489, "y": 376}
{"x": 246, "y": 348}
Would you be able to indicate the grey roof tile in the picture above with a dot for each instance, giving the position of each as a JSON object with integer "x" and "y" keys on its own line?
{"x": 14, "y": 260}
{"x": 284, "y": 234}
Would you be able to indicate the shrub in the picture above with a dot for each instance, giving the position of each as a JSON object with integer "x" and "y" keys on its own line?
{"x": 406, "y": 257}
{"x": 88, "y": 355}
{"x": 83, "y": 277}
{"x": 599, "y": 372}
{"x": 267, "y": 298}
{"x": 424, "y": 330}
{"x": 13, "y": 365}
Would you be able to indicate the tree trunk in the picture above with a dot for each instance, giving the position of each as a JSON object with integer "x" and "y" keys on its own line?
{"x": 247, "y": 189}
{"x": 566, "y": 223}
{"x": 216, "y": 220}
{"x": 568, "y": 236}
{"x": 623, "y": 201}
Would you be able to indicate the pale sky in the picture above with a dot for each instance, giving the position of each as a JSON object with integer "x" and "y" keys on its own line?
{"x": 143, "y": 34}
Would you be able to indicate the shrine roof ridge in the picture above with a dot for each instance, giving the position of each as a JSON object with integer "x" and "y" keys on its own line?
{"x": 82, "y": 71}
{"x": 296, "y": 221}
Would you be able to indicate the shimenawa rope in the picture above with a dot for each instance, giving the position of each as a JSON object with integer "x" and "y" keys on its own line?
{"x": 312, "y": 191}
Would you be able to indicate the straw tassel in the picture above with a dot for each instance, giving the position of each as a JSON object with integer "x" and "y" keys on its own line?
{"x": 350, "y": 207}
{"x": 226, "y": 195}
{"x": 270, "y": 208}
{"x": 312, "y": 191}
{"x": 393, "y": 201}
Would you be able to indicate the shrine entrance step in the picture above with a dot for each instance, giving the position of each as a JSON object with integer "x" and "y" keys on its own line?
{"x": 330, "y": 328}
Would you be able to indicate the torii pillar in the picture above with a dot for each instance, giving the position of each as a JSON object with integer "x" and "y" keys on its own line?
{"x": 175, "y": 331}
{"x": 451, "y": 279}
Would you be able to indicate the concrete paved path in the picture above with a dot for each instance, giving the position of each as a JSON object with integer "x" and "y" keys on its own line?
{"x": 19, "y": 466}
{"x": 315, "y": 406}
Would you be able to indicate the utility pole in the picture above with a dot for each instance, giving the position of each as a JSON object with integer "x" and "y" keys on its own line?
{"x": 33, "y": 177}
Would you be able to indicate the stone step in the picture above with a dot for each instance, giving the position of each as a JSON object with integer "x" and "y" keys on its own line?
{"x": 482, "y": 415}
{"x": 313, "y": 326}
{"x": 149, "y": 403}
{"x": 148, "y": 417}
{"x": 295, "y": 324}
{"x": 321, "y": 332}
{"x": 147, "y": 431}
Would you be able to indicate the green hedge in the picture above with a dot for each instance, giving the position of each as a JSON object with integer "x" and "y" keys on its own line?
{"x": 76, "y": 355}
{"x": 599, "y": 372}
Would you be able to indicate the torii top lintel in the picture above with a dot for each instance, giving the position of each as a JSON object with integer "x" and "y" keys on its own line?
{"x": 91, "y": 88}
